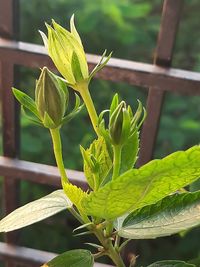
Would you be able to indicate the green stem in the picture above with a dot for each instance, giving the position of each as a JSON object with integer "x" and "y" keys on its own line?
{"x": 85, "y": 94}
{"x": 109, "y": 229}
{"x": 116, "y": 257}
{"x": 117, "y": 241}
{"x": 116, "y": 161}
{"x": 110, "y": 251}
{"x": 57, "y": 147}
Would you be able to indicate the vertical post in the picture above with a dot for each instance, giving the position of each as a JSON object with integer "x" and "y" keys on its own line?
{"x": 10, "y": 114}
{"x": 163, "y": 58}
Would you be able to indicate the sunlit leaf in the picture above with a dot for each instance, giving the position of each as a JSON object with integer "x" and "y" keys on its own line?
{"x": 35, "y": 211}
{"x": 144, "y": 186}
{"x": 129, "y": 153}
{"x": 75, "y": 194}
{"x": 97, "y": 163}
{"x": 171, "y": 215}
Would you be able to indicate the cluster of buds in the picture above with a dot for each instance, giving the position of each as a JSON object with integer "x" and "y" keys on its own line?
{"x": 66, "y": 51}
{"x": 51, "y": 101}
{"x": 122, "y": 122}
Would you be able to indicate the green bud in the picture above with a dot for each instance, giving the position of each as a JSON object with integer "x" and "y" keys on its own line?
{"x": 50, "y": 98}
{"x": 119, "y": 124}
{"x": 122, "y": 122}
{"x": 66, "y": 50}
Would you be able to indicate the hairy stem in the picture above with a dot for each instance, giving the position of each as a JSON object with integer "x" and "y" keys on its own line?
{"x": 85, "y": 94}
{"x": 57, "y": 147}
{"x": 116, "y": 161}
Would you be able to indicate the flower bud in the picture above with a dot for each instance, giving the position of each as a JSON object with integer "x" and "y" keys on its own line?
{"x": 119, "y": 124}
{"x": 50, "y": 99}
{"x": 122, "y": 122}
{"x": 66, "y": 50}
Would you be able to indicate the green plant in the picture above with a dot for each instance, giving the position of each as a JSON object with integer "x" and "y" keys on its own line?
{"x": 123, "y": 202}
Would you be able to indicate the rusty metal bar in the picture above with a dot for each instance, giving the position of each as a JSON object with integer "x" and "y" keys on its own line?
{"x": 10, "y": 140}
{"x": 38, "y": 173}
{"x": 163, "y": 57}
{"x": 8, "y": 23}
{"x": 117, "y": 70}
{"x": 10, "y": 118}
{"x": 28, "y": 256}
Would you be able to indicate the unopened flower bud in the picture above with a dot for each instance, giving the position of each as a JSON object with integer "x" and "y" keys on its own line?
{"x": 119, "y": 125}
{"x": 122, "y": 122}
{"x": 66, "y": 50}
{"x": 50, "y": 99}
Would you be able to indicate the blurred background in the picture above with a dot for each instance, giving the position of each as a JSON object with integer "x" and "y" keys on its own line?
{"x": 129, "y": 28}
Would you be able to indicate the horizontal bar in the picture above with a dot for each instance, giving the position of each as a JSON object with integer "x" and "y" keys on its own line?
{"x": 117, "y": 70}
{"x": 38, "y": 173}
{"x": 34, "y": 257}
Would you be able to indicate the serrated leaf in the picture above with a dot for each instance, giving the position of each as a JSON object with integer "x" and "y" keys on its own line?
{"x": 72, "y": 258}
{"x": 129, "y": 153}
{"x": 35, "y": 211}
{"x": 169, "y": 216}
{"x": 97, "y": 171}
{"x": 75, "y": 194}
{"x": 171, "y": 263}
{"x": 145, "y": 186}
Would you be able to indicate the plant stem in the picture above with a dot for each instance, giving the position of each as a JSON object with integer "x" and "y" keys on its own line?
{"x": 117, "y": 241}
{"x": 110, "y": 251}
{"x": 57, "y": 147}
{"x": 109, "y": 229}
{"x": 116, "y": 257}
{"x": 85, "y": 94}
{"x": 116, "y": 161}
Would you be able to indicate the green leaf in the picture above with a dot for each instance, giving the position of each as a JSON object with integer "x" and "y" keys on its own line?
{"x": 35, "y": 211}
{"x": 97, "y": 163}
{"x": 72, "y": 258}
{"x": 77, "y": 108}
{"x": 25, "y": 101}
{"x": 195, "y": 186}
{"x": 30, "y": 116}
{"x": 171, "y": 263}
{"x": 169, "y": 216}
{"x": 195, "y": 261}
{"x": 75, "y": 194}
{"x": 74, "y": 31}
{"x": 144, "y": 186}
{"x": 129, "y": 153}
{"x": 76, "y": 68}
{"x": 48, "y": 122}
{"x": 100, "y": 65}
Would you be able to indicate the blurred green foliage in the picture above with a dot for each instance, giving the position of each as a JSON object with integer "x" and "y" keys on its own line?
{"x": 129, "y": 28}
